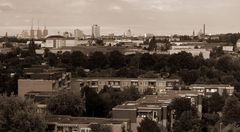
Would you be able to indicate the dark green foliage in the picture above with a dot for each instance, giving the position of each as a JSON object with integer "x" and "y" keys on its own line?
{"x": 52, "y": 59}
{"x": 148, "y": 125}
{"x": 189, "y": 76}
{"x": 97, "y": 60}
{"x": 231, "y": 111}
{"x": 78, "y": 59}
{"x": 100, "y": 128}
{"x": 180, "y": 105}
{"x": 152, "y": 44}
{"x": 215, "y": 103}
{"x": 116, "y": 59}
{"x": 20, "y": 116}
{"x": 66, "y": 103}
{"x": 186, "y": 122}
{"x": 95, "y": 106}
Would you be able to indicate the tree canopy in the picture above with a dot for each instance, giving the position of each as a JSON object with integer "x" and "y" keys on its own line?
{"x": 20, "y": 116}
{"x": 66, "y": 103}
{"x": 148, "y": 125}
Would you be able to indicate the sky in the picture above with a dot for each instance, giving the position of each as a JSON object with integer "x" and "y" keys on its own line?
{"x": 160, "y": 17}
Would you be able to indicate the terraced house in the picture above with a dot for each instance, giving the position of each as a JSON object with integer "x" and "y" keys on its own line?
{"x": 157, "y": 84}
{"x": 155, "y": 107}
{"x": 43, "y": 78}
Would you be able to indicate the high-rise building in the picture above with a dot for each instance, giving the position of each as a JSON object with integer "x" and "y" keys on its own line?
{"x": 45, "y": 32}
{"x": 39, "y": 32}
{"x": 129, "y": 33}
{"x": 78, "y": 34}
{"x": 96, "y": 31}
{"x": 32, "y": 33}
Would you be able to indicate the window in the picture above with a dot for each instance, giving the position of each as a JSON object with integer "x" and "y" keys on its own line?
{"x": 154, "y": 114}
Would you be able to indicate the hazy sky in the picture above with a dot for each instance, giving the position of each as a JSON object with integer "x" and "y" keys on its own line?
{"x": 141, "y": 16}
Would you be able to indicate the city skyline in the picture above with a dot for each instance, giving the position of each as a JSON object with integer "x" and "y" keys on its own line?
{"x": 160, "y": 17}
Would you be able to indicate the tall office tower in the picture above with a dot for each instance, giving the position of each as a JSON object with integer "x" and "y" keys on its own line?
{"x": 204, "y": 29}
{"x": 129, "y": 33}
{"x": 39, "y": 32}
{"x": 78, "y": 34}
{"x": 193, "y": 33}
{"x": 45, "y": 32}
{"x": 96, "y": 31}
{"x": 32, "y": 35}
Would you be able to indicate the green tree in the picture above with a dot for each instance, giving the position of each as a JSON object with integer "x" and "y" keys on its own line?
{"x": 95, "y": 106}
{"x": 186, "y": 122}
{"x": 147, "y": 61}
{"x": 66, "y": 103}
{"x": 152, "y": 44}
{"x": 116, "y": 59}
{"x": 52, "y": 59}
{"x": 100, "y": 128}
{"x": 231, "y": 111}
{"x": 130, "y": 94}
{"x": 215, "y": 103}
{"x": 180, "y": 105}
{"x": 189, "y": 76}
{"x": 66, "y": 57}
{"x": 20, "y": 116}
{"x": 148, "y": 125}
{"x": 97, "y": 60}
{"x": 78, "y": 59}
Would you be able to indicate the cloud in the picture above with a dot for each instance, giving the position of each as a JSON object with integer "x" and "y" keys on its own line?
{"x": 115, "y": 8}
{"x": 6, "y": 6}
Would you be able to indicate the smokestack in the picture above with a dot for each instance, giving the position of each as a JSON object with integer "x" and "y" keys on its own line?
{"x": 204, "y": 29}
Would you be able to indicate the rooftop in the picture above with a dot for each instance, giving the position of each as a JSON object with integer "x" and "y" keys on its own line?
{"x": 61, "y": 119}
{"x": 119, "y": 78}
{"x": 156, "y": 101}
{"x": 210, "y": 85}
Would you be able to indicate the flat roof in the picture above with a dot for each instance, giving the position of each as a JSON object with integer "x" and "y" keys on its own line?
{"x": 120, "y": 78}
{"x": 155, "y": 101}
{"x": 210, "y": 85}
{"x": 62, "y": 119}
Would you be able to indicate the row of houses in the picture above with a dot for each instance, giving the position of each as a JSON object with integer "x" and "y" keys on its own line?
{"x": 41, "y": 82}
{"x": 157, "y": 84}
{"x": 155, "y": 107}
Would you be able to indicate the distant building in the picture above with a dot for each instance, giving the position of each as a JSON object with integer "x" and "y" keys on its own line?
{"x": 209, "y": 89}
{"x": 228, "y": 48}
{"x": 195, "y": 52}
{"x": 32, "y": 33}
{"x": 43, "y": 78}
{"x": 148, "y": 35}
{"x": 155, "y": 107}
{"x": 174, "y": 38}
{"x": 158, "y": 85}
{"x": 45, "y": 32}
{"x": 129, "y": 33}
{"x": 25, "y": 34}
{"x": 238, "y": 44}
{"x": 55, "y": 41}
{"x": 96, "y": 31}
{"x": 78, "y": 34}
{"x": 60, "y": 123}
{"x": 67, "y": 35}
{"x": 39, "y": 33}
